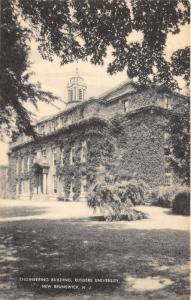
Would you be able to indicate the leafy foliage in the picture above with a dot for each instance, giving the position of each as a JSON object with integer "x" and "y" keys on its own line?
{"x": 181, "y": 63}
{"x": 79, "y": 29}
{"x": 136, "y": 190}
{"x": 14, "y": 81}
{"x": 76, "y": 29}
{"x": 116, "y": 199}
{"x": 163, "y": 196}
{"x": 179, "y": 141}
{"x": 181, "y": 203}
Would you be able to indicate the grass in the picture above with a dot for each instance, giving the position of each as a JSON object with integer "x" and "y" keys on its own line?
{"x": 89, "y": 249}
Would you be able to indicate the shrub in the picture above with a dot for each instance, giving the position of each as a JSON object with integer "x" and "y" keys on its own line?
{"x": 136, "y": 191}
{"x": 116, "y": 199}
{"x": 181, "y": 203}
{"x": 163, "y": 196}
{"x": 62, "y": 198}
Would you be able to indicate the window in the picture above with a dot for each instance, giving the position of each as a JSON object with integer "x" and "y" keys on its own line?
{"x": 17, "y": 166}
{"x": 166, "y": 136}
{"x": 100, "y": 173}
{"x": 28, "y": 163}
{"x": 83, "y": 185}
{"x": 167, "y": 169}
{"x": 84, "y": 152}
{"x": 80, "y": 94}
{"x": 53, "y": 126}
{"x": 22, "y": 164}
{"x": 63, "y": 120}
{"x": 17, "y": 188}
{"x": 167, "y": 103}
{"x": 42, "y": 129}
{"x": 21, "y": 187}
{"x": 72, "y": 156}
{"x": 166, "y": 150}
{"x": 168, "y": 179}
{"x": 75, "y": 94}
{"x": 62, "y": 157}
{"x": 71, "y": 196}
{"x": 25, "y": 186}
{"x": 44, "y": 155}
{"x": 54, "y": 157}
{"x": 55, "y": 184}
{"x": 70, "y": 95}
{"x": 56, "y": 124}
{"x": 125, "y": 105}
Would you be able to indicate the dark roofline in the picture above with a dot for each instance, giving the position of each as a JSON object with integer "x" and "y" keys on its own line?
{"x": 115, "y": 89}
{"x": 162, "y": 110}
{"x": 64, "y": 129}
{"x": 83, "y": 103}
{"x": 67, "y": 110}
{"x": 160, "y": 90}
{"x": 102, "y": 99}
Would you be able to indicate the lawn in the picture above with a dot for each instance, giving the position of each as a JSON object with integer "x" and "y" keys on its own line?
{"x": 141, "y": 263}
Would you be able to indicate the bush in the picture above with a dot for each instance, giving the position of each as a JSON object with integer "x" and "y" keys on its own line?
{"x": 62, "y": 198}
{"x": 181, "y": 203}
{"x": 116, "y": 199}
{"x": 163, "y": 196}
{"x": 136, "y": 191}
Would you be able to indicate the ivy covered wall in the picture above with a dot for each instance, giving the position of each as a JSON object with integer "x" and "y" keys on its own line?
{"x": 130, "y": 143}
{"x": 140, "y": 141}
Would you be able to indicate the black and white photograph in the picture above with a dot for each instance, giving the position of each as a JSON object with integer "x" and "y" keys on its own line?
{"x": 95, "y": 150}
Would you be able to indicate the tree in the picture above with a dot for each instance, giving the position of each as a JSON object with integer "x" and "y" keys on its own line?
{"x": 181, "y": 63}
{"x": 14, "y": 81}
{"x": 179, "y": 125}
{"x": 85, "y": 29}
{"x": 77, "y": 29}
{"x": 179, "y": 141}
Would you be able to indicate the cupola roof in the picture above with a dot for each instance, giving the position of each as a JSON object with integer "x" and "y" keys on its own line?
{"x": 76, "y": 80}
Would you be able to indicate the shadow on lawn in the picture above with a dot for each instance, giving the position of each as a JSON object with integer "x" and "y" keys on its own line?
{"x": 21, "y": 211}
{"x": 69, "y": 249}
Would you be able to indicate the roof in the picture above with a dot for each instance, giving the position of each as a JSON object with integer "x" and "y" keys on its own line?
{"x": 121, "y": 90}
{"x": 41, "y": 164}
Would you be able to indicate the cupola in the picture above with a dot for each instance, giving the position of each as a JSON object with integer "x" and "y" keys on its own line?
{"x": 76, "y": 89}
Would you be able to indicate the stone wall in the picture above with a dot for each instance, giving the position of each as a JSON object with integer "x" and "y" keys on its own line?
{"x": 137, "y": 138}
{"x": 64, "y": 173}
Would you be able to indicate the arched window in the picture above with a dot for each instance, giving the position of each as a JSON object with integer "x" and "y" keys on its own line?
{"x": 83, "y": 152}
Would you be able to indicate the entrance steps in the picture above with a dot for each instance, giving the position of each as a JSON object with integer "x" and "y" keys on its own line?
{"x": 40, "y": 197}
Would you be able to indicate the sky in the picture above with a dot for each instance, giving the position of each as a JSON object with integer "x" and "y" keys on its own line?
{"x": 54, "y": 78}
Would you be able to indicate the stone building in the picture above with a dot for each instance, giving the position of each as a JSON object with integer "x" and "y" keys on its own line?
{"x": 3, "y": 181}
{"x": 75, "y": 146}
